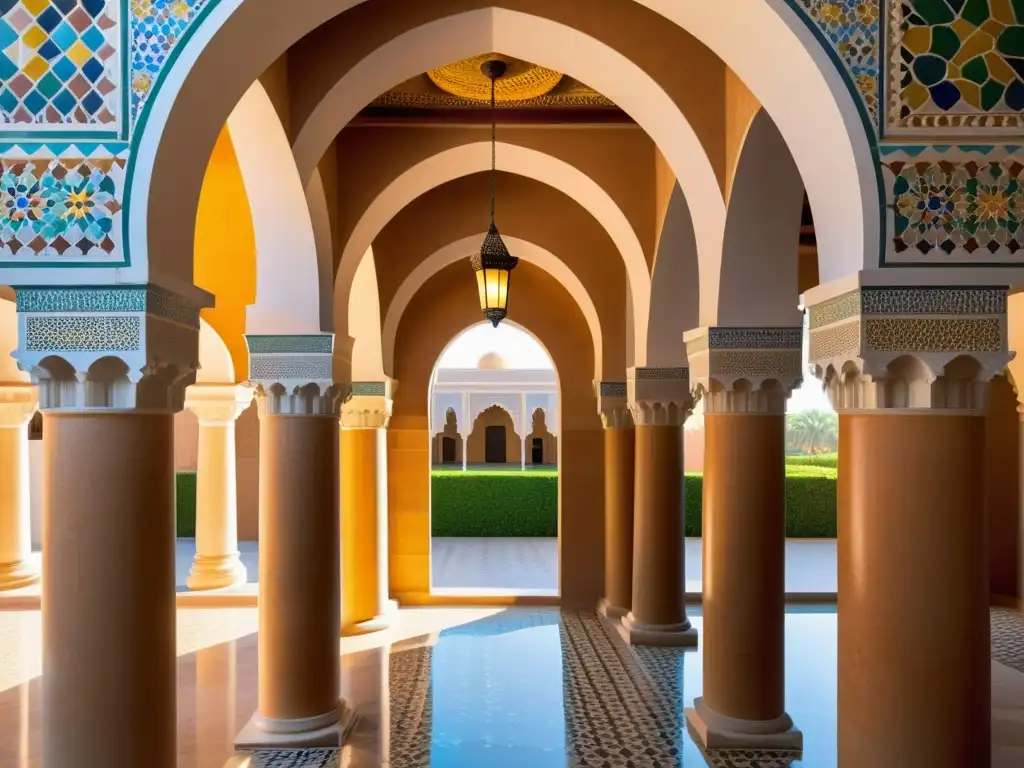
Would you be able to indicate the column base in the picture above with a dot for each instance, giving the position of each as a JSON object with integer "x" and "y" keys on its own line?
{"x": 216, "y": 572}
{"x": 681, "y": 635}
{"x": 328, "y": 730}
{"x": 21, "y": 573}
{"x": 378, "y": 623}
{"x": 720, "y": 732}
{"x": 609, "y": 611}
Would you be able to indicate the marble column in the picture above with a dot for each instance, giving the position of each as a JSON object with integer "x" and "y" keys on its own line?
{"x": 619, "y": 465}
{"x": 365, "y": 606}
{"x": 660, "y": 402}
{"x": 217, "y": 562}
{"x": 744, "y": 533}
{"x": 914, "y": 666}
{"x": 18, "y": 566}
{"x": 299, "y": 699}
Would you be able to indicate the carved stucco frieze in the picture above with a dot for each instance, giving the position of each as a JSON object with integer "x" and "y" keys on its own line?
{"x": 612, "y": 404}
{"x": 293, "y": 375}
{"x": 218, "y": 404}
{"x": 744, "y": 370}
{"x": 659, "y": 396}
{"x": 909, "y": 348}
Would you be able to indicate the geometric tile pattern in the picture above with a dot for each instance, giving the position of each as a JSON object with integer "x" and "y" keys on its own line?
{"x": 369, "y": 388}
{"x": 296, "y": 758}
{"x": 308, "y": 368}
{"x": 943, "y": 208}
{"x": 909, "y": 301}
{"x": 294, "y": 344}
{"x": 59, "y": 62}
{"x": 60, "y": 209}
{"x": 854, "y": 30}
{"x": 157, "y": 26}
{"x": 911, "y": 334}
{"x": 81, "y": 333}
{"x": 956, "y": 64}
{"x": 1008, "y": 638}
{"x": 612, "y": 389}
{"x": 152, "y": 299}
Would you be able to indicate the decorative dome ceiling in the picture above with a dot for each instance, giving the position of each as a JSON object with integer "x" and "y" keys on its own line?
{"x": 521, "y": 81}
{"x": 492, "y": 361}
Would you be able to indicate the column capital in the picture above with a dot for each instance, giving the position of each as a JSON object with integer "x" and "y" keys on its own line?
{"x": 612, "y": 404}
{"x": 18, "y": 404}
{"x": 909, "y": 348}
{"x": 112, "y": 347}
{"x": 744, "y": 370}
{"x": 293, "y": 374}
{"x": 218, "y": 403}
{"x": 659, "y": 396}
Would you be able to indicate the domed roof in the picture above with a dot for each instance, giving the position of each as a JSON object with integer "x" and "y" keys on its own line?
{"x": 492, "y": 361}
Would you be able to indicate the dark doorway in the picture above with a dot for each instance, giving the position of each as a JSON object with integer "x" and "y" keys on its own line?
{"x": 537, "y": 451}
{"x": 494, "y": 445}
{"x": 448, "y": 450}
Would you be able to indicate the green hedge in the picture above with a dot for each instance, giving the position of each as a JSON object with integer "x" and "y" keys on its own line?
{"x": 813, "y": 460}
{"x": 501, "y": 505}
{"x": 185, "y": 504}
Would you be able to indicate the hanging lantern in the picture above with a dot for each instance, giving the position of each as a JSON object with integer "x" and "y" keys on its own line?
{"x": 494, "y": 264}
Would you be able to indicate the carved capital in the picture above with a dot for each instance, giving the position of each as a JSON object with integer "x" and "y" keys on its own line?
{"x": 927, "y": 348}
{"x": 310, "y": 399}
{"x": 744, "y": 370}
{"x": 218, "y": 404}
{"x": 659, "y": 396}
{"x": 366, "y": 412}
{"x": 134, "y": 346}
{"x": 18, "y": 404}
{"x": 612, "y": 405}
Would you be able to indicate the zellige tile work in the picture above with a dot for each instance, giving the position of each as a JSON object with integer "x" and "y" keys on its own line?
{"x": 60, "y": 63}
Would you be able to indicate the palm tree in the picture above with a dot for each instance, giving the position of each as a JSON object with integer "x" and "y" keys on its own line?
{"x": 812, "y": 431}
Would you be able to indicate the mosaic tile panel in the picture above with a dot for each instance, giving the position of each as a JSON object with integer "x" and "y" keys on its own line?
{"x": 612, "y": 389}
{"x": 153, "y": 300}
{"x": 157, "y": 26}
{"x": 956, "y": 64}
{"x": 60, "y": 208}
{"x": 60, "y": 63}
{"x": 758, "y": 363}
{"x": 297, "y": 344}
{"x": 835, "y": 310}
{"x": 1008, "y": 637}
{"x": 854, "y": 30}
{"x": 956, "y": 209}
{"x": 661, "y": 374}
{"x": 82, "y": 334}
{"x": 933, "y": 301}
{"x": 295, "y": 758}
{"x": 755, "y": 338}
{"x": 902, "y": 334}
{"x": 369, "y": 389}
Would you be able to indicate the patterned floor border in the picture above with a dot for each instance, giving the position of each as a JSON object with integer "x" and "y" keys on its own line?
{"x": 622, "y": 704}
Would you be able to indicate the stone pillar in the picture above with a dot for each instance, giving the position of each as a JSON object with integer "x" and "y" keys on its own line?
{"x": 217, "y": 562}
{"x": 365, "y": 606}
{"x": 108, "y": 607}
{"x": 744, "y": 377}
{"x": 619, "y": 464}
{"x": 299, "y": 700}
{"x": 908, "y": 371}
{"x": 660, "y": 402}
{"x": 18, "y": 567}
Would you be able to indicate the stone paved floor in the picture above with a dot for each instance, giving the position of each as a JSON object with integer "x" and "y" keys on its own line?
{"x": 487, "y": 688}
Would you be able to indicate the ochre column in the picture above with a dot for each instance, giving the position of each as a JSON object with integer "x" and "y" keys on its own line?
{"x": 108, "y": 590}
{"x": 365, "y": 606}
{"x": 299, "y": 701}
{"x": 18, "y": 567}
{"x": 217, "y": 562}
{"x": 912, "y": 562}
{"x": 913, "y": 624}
{"x": 619, "y": 464}
{"x": 659, "y": 401}
{"x": 744, "y": 533}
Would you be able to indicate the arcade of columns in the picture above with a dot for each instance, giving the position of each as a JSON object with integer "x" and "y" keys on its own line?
{"x": 911, "y": 452}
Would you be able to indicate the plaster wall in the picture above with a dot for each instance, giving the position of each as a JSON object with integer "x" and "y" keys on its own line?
{"x": 1002, "y": 494}
{"x": 495, "y": 416}
{"x": 449, "y": 304}
{"x": 526, "y": 209}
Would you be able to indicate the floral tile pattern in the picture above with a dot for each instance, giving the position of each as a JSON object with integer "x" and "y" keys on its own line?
{"x": 956, "y": 64}
{"x": 157, "y": 26}
{"x": 60, "y": 208}
{"x": 60, "y": 62}
{"x": 853, "y": 28}
{"x": 946, "y": 208}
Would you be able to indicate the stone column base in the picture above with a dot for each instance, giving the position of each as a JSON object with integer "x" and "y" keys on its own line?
{"x": 380, "y": 622}
{"x": 720, "y": 732}
{"x": 609, "y": 611}
{"x": 21, "y": 573}
{"x": 328, "y": 730}
{"x": 681, "y": 635}
{"x": 216, "y": 572}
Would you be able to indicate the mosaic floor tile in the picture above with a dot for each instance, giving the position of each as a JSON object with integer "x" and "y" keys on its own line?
{"x": 296, "y": 758}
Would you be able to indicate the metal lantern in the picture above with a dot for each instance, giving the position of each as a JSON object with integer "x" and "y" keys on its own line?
{"x": 494, "y": 264}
